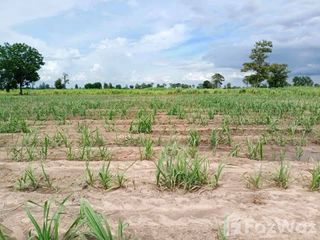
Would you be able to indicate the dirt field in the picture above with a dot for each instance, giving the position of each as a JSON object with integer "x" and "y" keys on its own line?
{"x": 153, "y": 213}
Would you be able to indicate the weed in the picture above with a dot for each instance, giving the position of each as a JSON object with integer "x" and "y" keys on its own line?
{"x": 44, "y": 147}
{"x": 282, "y": 176}
{"x": 315, "y": 179}
{"x": 181, "y": 172}
{"x": 98, "y": 139}
{"x": 214, "y": 139}
{"x": 99, "y": 227}
{"x": 142, "y": 125}
{"x": 28, "y": 181}
{"x": 255, "y": 150}
{"x": 105, "y": 176}
{"x": 46, "y": 176}
{"x": 299, "y": 152}
{"x": 222, "y": 233}
{"x": 147, "y": 151}
{"x": 120, "y": 180}
{"x": 48, "y": 228}
{"x": 194, "y": 138}
{"x": 235, "y": 150}
{"x": 105, "y": 154}
{"x": 254, "y": 181}
{"x": 217, "y": 175}
{"x": 30, "y": 153}
{"x": 89, "y": 175}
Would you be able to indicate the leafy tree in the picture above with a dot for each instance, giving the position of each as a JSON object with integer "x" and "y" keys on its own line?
{"x": 61, "y": 83}
{"x": 258, "y": 65}
{"x": 19, "y": 65}
{"x": 107, "y": 85}
{"x": 207, "y": 84}
{"x": 58, "y": 84}
{"x": 96, "y": 85}
{"x": 76, "y": 86}
{"x": 302, "y": 81}
{"x": 217, "y": 80}
{"x": 44, "y": 86}
{"x": 278, "y": 75}
{"x": 228, "y": 85}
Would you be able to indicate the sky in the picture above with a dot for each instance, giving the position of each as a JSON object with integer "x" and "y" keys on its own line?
{"x": 162, "y": 41}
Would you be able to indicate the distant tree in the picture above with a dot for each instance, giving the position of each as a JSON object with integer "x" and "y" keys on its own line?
{"x": 44, "y": 86}
{"x": 278, "y": 75}
{"x": 207, "y": 84}
{"x": 96, "y": 85}
{"x": 61, "y": 83}
{"x": 118, "y": 86}
{"x": 19, "y": 65}
{"x": 76, "y": 86}
{"x": 228, "y": 85}
{"x": 258, "y": 65}
{"x": 302, "y": 81}
{"x": 131, "y": 86}
{"x": 58, "y": 84}
{"x": 217, "y": 80}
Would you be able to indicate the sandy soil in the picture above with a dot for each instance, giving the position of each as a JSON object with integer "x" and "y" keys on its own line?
{"x": 268, "y": 213}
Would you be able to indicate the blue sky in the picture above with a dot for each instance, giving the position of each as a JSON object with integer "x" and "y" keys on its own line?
{"x": 130, "y": 41}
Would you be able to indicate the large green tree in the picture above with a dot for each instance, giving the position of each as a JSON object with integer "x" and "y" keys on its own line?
{"x": 258, "y": 66}
{"x": 278, "y": 75}
{"x": 302, "y": 81}
{"x": 217, "y": 79}
{"x": 19, "y": 65}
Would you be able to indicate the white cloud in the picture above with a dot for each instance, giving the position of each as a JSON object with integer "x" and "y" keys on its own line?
{"x": 95, "y": 67}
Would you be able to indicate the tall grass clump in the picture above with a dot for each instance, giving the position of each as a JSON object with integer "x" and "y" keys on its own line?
{"x": 28, "y": 181}
{"x": 87, "y": 225}
{"x": 105, "y": 175}
{"x": 143, "y": 124}
{"x": 255, "y": 150}
{"x": 48, "y": 228}
{"x": 194, "y": 138}
{"x": 315, "y": 178}
{"x": 147, "y": 149}
{"x": 254, "y": 180}
{"x": 181, "y": 171}
{"x": 99, "y": 227}
{"x": 214, "y": 139}
{"x": 282, "y": 175}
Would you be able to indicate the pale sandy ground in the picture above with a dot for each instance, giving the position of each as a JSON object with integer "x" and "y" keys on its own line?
{"x": 269, "y": 213}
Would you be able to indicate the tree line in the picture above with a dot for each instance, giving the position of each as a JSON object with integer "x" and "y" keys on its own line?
{"x": 20, "y": 63}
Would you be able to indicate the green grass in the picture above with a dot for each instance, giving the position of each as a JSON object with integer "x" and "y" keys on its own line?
{"x": 28, "y": 180}
{"x": 48, "y": 227}
{"x": 99, "y": 227}
{"x": 179, "y": 170}
{"x": 315, "y": 178}
{"x": 282, "y": 176}
{"x": 194, "y": 138}
{"x": 254, "y": 180}
{"x": 105, "y": 176}
{"x": 87, "y": 225}
{"x": 146, "y": 152}
{"x": 217, "y": 175}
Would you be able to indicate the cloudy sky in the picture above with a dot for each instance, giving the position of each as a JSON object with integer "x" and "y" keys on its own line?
{"x": 162, "y": 41}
